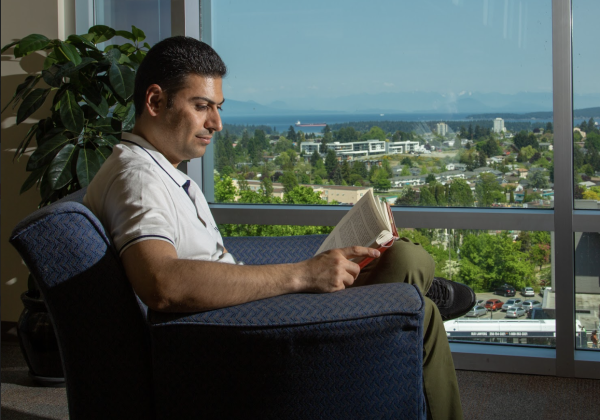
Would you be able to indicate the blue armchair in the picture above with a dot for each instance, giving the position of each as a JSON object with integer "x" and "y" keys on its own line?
{"x": 350, "y": 354}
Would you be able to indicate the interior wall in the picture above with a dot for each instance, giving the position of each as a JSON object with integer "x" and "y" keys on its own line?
{"x": 54, "y": 19}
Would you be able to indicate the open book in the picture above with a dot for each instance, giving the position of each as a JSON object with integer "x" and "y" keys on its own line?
{"x": 369, "y": 223}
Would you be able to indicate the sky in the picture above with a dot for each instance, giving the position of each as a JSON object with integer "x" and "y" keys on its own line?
{"x": 279, "y": 50}
{"x": 294, "y": 52}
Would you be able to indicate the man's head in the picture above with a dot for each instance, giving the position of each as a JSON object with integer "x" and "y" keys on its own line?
{"x": 178, "y": 96}
{"x": 170, "y": 62}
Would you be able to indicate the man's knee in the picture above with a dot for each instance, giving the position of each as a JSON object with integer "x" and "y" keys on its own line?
{"x": 412, "y": 256}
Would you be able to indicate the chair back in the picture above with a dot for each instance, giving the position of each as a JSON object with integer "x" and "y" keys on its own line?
{"x": 100, "y": 326}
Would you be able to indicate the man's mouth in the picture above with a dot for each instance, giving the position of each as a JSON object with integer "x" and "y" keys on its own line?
{"x": 204, "y": 139}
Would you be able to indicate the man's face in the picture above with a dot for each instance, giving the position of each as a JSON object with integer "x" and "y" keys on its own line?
{"x": 186, "y": 128}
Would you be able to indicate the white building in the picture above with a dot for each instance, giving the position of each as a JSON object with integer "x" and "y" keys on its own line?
{"x": 359, "y": 148}
{"x": 402, "y": 147}
{"x": 442, "y": 129}
{"x": 309, "y": 147}
{"x": 499, "y": 126}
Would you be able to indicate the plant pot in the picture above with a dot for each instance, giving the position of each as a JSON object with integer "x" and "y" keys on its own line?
{"x": 39, "y": 344}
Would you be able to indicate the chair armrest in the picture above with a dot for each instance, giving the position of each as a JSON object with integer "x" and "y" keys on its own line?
{"x": 356, "y": 353}
{"x": 259, "y": 250}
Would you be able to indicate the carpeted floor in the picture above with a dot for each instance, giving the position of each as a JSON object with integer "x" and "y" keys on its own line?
{"x": 483, "y": 395}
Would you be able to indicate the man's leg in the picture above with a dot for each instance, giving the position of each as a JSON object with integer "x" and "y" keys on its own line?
{"x": 406, "y": 262}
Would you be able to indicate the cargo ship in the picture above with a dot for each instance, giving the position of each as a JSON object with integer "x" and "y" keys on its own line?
{"x": 299, "y": 124}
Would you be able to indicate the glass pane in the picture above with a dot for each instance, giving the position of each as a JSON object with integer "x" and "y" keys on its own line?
{"x": 506, "y": 269}
{"x": 445, "y": 103}
{"x": 586, "y": 103}
{"x": 587, "y": 289}
{"x": 151, "y": 16}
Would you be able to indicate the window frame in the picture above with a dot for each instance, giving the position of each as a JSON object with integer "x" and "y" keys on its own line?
{"x": 194, "y": 18}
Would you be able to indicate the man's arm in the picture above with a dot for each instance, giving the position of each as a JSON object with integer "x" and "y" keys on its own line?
{"x": 167, "y": 283}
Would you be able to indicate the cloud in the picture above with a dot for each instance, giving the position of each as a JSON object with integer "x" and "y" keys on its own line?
{"x": 387, "y": 84}
{"x": 313, "y": 87}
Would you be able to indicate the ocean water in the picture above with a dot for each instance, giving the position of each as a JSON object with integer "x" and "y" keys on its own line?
{"x": 283, "y": 122}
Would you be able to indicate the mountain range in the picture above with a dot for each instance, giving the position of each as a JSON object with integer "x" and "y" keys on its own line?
{"x": 409, "y": 102}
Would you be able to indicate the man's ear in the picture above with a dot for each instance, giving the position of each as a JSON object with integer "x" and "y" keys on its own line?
{"x": 156, "y": 100}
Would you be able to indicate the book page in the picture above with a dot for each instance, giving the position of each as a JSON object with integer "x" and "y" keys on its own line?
{"x": 360, "y": 226}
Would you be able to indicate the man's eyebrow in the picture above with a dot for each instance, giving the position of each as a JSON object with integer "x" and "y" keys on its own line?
{"x": 203, "y": 98}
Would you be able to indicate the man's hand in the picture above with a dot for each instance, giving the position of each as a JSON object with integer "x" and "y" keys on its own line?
{"x": 332, "y": 270}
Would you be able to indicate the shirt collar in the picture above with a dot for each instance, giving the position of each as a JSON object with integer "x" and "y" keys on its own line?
{"x": 151, "y": 153}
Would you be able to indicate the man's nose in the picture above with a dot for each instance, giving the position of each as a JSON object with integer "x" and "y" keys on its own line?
{"x": 213, "y": 122}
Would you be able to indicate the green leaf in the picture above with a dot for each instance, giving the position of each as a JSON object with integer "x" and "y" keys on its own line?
{"x": 25, "y": 142}
{"x": 88, "y": 164}
{"x": 138, "y": 33}
{"x": 127, "y": 48}
{"x": 60, "y": 171}
{"x": 32, "y": 43}
{"x": 78, "y": 39}
{"x": 120, "y": 111}
{"x": 108, "y": 126}
{"x": 7, "y": 46}
{"x": 49, "y": 148}
{"x": 129, "y": 121}
{"x": 126, "y": 34}
{"x": 54, "y": 75}
{"x": 33, "y": 178}
{"x": 101, "y": 108}
{"x": 85, "y": 61}
{"x": 71, "y": 113}
{"x": 22, "y": 90}
{"x": 50, "y": 60}
{"x": 122, "y": 79}
{"x": 113, "y": 55}
{"x": 70, "y": 53}
{"x": 101, "y": 33}
{"x": 92, "y": 93}
{"x": 103, "y": 153}
{"x": 31, "y": 103}
{"x": 146, "y": 45}
{"x": 107, "y": 140}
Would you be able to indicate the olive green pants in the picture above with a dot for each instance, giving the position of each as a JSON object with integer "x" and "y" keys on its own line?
{"x": 408, "y": 262}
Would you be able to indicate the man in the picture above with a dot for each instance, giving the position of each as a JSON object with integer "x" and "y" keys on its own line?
{"x": 169, "y": 243}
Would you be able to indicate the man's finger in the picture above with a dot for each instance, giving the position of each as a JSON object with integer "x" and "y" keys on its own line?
{"x": 359, "y": 251}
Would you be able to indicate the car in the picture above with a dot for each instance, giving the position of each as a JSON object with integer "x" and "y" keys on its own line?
{"x": 477, "y": 311}
{"x": 480, "y": 302}
{"x": 543, "y": 289}
{"x": 516, "y": 302}
{"x": 493, "y": 304}
{"x": 527, "y": 291}
{"x": 515, "y": 312}
{"x": 505, "y": 290}
{"x": 529, "y": 304}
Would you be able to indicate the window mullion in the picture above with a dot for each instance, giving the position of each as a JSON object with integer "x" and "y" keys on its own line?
{"x": 564, "y": 284}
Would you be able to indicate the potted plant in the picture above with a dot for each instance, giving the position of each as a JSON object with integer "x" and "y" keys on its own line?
{"x": 88, "y": 92}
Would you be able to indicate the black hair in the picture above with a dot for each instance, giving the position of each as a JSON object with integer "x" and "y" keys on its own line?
{"x": 169, "y": 62}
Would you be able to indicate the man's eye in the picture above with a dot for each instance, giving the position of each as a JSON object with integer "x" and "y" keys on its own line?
{"x": 201, "y": 107}
{"x": 220, "y": 109}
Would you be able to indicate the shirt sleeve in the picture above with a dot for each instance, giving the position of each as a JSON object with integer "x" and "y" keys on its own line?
{"x": 137, "y": 207}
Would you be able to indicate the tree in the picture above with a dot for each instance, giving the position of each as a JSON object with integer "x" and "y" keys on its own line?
{"x": 537, "y": 180}
{"x": 407, "y": 197}
{"x": 291, "y": 134}
{"x": 380, "y": 180}
{"x": 314, "y": 158}
{"x": 225, "y": 191}
{"x": 406, "y": 161}
{"x": 488, "y": 190}
{"x": 430, "y": 178}
{"x": 266, "y": 185}
{"x": 405, "y": 171}
{"x": 590, "y": 195}
{"x": 441, "y": 197}
{"x": 482, "y": 159}
{"x": 426, "y": 198}
{"x": 303, "y": 195}
{"x": 331, "y": 162}
{"x": 526, "y": 153}
{"x": 540, "y": 254}
{"x": 523, "y": 139}
{"x": 387, "y": 168}
{"x": 359, "y": 168}
{"x": 549, "y": 128}
{"x": 460, "y": 194}
{"x": 289, "y": 181}
{"x": 346, "y": 171}
{"x": 336, "y": 177}
{"x": 374, "y": 133}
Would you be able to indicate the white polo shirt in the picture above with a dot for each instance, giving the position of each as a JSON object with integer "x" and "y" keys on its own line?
{"x": 138, "y": 195}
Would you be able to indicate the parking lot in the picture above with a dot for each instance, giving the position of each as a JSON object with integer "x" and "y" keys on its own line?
{"x": 500, "y": 314}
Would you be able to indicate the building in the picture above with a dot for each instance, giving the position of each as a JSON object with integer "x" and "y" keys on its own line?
{"x": 309, "y": 147}
{"x": 499, "y": 126}
{"x": 400, "y": 147}
{"x": 359, "y": 148}
{"x": 442, "y": 129}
